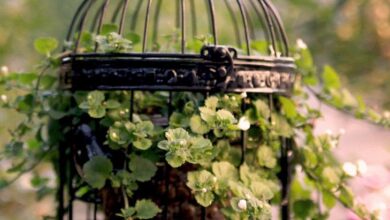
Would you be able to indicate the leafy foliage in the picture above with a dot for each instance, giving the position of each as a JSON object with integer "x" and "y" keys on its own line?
{"x": 202, "y": 131}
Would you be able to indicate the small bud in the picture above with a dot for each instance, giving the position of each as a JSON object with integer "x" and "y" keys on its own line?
{"x": 244, "y": 123}
{"x": 183, "y": 142}
{"x": 204, "y": 190}
{"x": 242, "y": 204}
{"x": 333, "y": 143}
{"x": 350, "y": 169}
{"x": 361, "y": 167}
{"x": 4, "y": 98}
{"x": 342, "y": 131}
{"x": 301, "y": 44}
{"x": 114, "y": 135}
{"x": 244, "y": 95}
{"x": 386, "y": 114}
{"x": 215, "y": 179}
{"x": 4, "y": 71}
{"x": 329, "y": 132}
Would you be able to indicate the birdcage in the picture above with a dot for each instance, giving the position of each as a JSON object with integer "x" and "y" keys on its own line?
{"x": 206, "y": 47}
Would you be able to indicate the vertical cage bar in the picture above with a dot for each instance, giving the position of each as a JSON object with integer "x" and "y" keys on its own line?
{"x": 116, "y": 11}
{"x": 167, "y": 168}
{"x": 213, "y": 23}
{"x": 123, "y": 16}
{"x": 95, "y": 207}
{"x": 261, "y": 20}
{"x": 102, "y": 12}
{"x": 270, "y": 25}
{"x": 252, "y": 30}
{"x": 145, "y": 37}
{"x": 135, "y": 16}
{"x": 74, "y": 19}
{"x": 235, "y": 22}
{"x": 279, "y": 23}
{"x": 285, "y": 177}
{"x": 183, "y": 25}
{"x": 193, "y": 19}
{"x": 244, "y": 18}
{"x": 81, "y": 25}
{"x": 70, "y": 184}
{"x": 62, "y": 179}
{"x": 156, "y": 20}
{"x": 244, "y": 134}
{"x": 131, "y": 112}
{"x": 96, "y": 18}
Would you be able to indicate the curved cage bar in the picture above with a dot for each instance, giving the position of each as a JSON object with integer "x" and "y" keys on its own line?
{"x": 199, "y": 46}
{"x": 253, "y": 56}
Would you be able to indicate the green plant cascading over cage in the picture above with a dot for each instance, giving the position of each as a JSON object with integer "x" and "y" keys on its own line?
{"x": 149, "y": 124}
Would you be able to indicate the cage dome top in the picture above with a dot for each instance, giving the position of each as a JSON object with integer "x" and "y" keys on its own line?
{"x": 177, "y": 45}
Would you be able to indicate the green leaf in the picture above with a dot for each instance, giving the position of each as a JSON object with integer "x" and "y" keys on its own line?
{"x": 266, "y": 157}
{"x": 146, "y": 209}
{"x": 304, "y": 209}
{"x": 202, "y": 183}
{"x": 178, "y": 120}
{"x": 133, "y": 37}
{"x": 281, "y": 126}
{"x": 112, "y": 104}
{"x": 211, "y": 102}
{"x": 108, "y": 29}
{"x": 97, "y": 170}
{"x": 261, "y": 190}
{"x": 177, "y": 134}
{"x": 346, "y": 196}
{"x": 45, "y": 45}
{"x": 331, "y": 78}
{"x": 207, "y": 115}
{"x": 127, "y": 213}
{"x": 225, "y": 116}
{"x": 225, "y": 170}
{"x": 310, "y": 158}
{"x": 328, "y": 199}
{"x": 143, "y": 169}
{"x": 330, "y": 177}
{"x": 175, "y": 160}
{"x": 262, "y": 109}
{"x": 198, "y": 126}
{"x": 95, "y": 98}
{"x": 97, "y": 112}
{"x": 204, "y": 199}
{"x": 288, "y": 107}
{"x": 142, "y": 143}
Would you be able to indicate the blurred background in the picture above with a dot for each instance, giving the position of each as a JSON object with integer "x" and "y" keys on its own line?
{"x": 353, "y": 36}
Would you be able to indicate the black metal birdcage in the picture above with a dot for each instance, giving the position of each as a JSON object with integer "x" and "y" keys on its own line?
{"x": 227, "y": 62}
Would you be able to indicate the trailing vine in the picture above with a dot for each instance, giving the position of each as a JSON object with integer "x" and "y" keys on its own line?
{"x": 203, "y": 131}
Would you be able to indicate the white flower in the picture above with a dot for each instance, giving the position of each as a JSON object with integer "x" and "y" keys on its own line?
{"x": 301, "y": 44}
{"x": 329, "y": 132}
{"x": 342, "y": 131}
{"x": 386, "y": 114}
{"x": 350, "y": 169}
{"x": 333, "y": 143}
{"x": 183, "y": 142}
{"x": 244, "y": 95}
{"x": 215, "y": 179}
{"x": 244, "y": 123}
{"x": 361, "y": 167}
{"x": 242, "y": 204}
{"x": 204, "y": 190}
{"x": 4, "y": 98}
{"x": 4, "y": 71}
